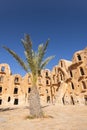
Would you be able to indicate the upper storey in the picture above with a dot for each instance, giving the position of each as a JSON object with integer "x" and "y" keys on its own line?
{"x": 5, "y": 69}
{"x": 80, "y": 56}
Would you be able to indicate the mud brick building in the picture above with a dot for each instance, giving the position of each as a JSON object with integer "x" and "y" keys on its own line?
{"x": 66, "y": 84}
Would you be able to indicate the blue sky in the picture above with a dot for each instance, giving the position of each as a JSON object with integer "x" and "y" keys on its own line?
{"x": 63, "y": 21}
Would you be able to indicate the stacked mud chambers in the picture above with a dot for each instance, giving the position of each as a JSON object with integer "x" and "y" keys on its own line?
{"x": 15, "y": 89}
{"x": 72, "y": 79}
{"x": 65, "y": 84}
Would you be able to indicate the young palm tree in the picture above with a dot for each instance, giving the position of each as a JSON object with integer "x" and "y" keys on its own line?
{"x": 35, "y": 63}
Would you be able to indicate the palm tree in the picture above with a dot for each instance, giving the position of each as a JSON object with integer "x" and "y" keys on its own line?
{"x": 34, "y": 63}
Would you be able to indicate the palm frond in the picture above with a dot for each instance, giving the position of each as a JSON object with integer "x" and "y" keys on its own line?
{"x": 28, "y": 51}
{"x": 27, "y": 45}
{"x": 32, "y": 63}
{"x": 29, "y": 61}
{"x": 41, "y": 52}
{"x": 46, "y": 61}
{"x": 34, "y": 59}
{"x": 46, "y": 44}
{"x": 20, "y": 61}
{"x": 27, "y": 42}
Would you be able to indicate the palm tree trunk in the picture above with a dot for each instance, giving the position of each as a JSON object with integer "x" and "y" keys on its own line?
{"x": 34, "y": 103}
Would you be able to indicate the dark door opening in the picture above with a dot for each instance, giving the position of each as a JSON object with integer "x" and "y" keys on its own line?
{"x": 15, "y": 90}
{"x": 79, "y": 57}
{"x": 29, "y": 90}
{"x": 9, "y": 98}
{"x": 72, "y": 85}
{"x": 0, "y": 101}
{"x": 82, "y": 71}
{"x": 0, "y": 89}
{"x": 84, "y": 85}
{"x": 16, "y": 101}
{"x": 48, "y": 99}
{"x": 85, "y": 100}
{"x": 72, "y": 100}
{"x": 63, "y": 100}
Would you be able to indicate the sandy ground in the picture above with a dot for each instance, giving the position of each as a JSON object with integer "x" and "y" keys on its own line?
{"x": 62, "y": 118}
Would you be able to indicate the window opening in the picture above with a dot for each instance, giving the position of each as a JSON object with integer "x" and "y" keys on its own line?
{"x": 0, "y": 101}
{"x": 82, "y": 71}
{"x": 15, "y": 90}
{"x": 47, "y": 82}
{"x": 0, "y": 89}
{"x": 71, "y": 73}
{"x": 3, "y": 69}
{"x": 61, "y": 76}
{"x": 84, "y": 85}
{"x": 29, "y": 90}
{"x": 48, "y": 99}
{"x": 79, "y": 57}
{"x": 47, "y": 74}
{"x": 61, "y": 64}
{"x": 16, "y": 101}
{"x": 16, "y": 79}
{"x": 72, "y": 100}
{"x": 72, "y": 85}
{"x": 9, "y": 98}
